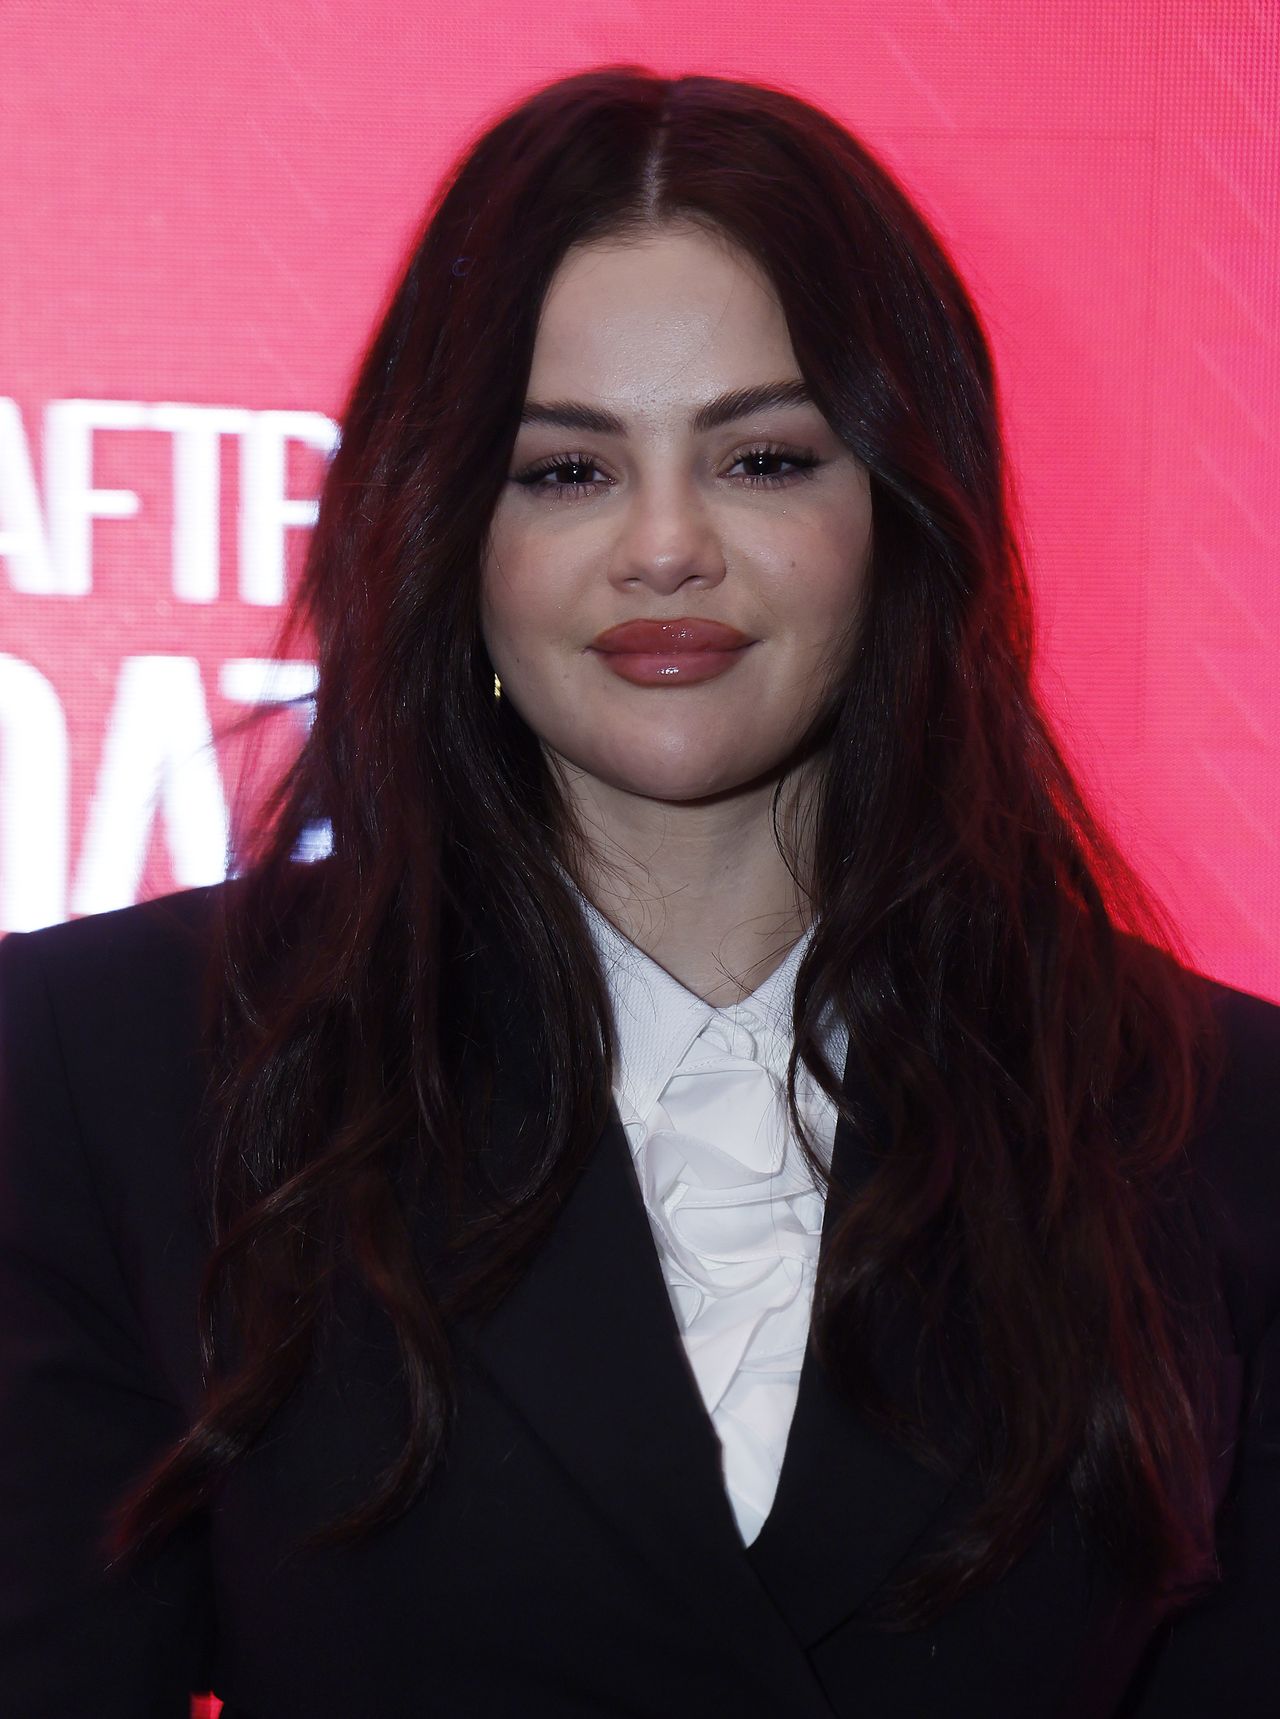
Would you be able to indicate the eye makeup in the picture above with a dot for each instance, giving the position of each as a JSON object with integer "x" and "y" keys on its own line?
{"x": 802, "y": 465}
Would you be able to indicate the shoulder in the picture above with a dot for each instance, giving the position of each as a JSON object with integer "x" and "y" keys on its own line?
{"x": 102, "y": 1020}
{"x": 114, "y": 991}
{"x": 156, "y": 939}
{"x": 1251, "y": 1026}
{"x": 103, "y": 1070}
{"x": 120, "y": 1006}
{"x": 1235, "y": 1157}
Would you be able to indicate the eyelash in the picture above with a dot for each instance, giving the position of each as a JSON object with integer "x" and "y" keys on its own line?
{"x": 803, "y": 464}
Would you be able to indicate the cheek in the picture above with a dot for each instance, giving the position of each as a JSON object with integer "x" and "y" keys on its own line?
{"x": 815, "y": 574}
{"x": 511, "y": 594}
{"x": 527, "y": 583}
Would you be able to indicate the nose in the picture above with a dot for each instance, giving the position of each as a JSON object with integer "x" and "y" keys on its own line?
{"x": 666, "y": 538}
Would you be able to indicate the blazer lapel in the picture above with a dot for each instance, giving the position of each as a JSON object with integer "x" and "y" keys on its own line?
{"x": 586, "y": 1346}
{"x": 850, "y": 1502}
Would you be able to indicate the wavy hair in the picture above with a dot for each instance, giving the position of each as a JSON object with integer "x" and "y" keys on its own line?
{"x": 1033, "y": 1042}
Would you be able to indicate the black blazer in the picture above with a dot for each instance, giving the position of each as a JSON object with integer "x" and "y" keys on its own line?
{"x": 577, "y": 1555}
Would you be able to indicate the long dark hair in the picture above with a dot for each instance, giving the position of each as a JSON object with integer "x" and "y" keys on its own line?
{"x": 1034, "y": 1044}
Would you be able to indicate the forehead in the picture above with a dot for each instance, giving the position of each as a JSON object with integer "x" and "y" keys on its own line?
{"x": 651, "y": 324}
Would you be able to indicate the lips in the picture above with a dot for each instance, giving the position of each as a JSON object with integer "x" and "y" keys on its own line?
{"x": 682, "y": 652}
{"x": 687, "y": 635}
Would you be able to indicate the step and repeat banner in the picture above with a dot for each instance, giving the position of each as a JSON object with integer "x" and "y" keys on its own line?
{"x": 202, "y": 209}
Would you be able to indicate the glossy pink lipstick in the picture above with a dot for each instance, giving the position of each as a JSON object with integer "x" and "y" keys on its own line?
{"x": 670, "y": 653}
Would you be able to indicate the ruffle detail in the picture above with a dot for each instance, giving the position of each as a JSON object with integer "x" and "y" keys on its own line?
{"x": 737, "y": 1221}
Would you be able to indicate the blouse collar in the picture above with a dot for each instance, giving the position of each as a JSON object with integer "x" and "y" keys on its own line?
{"x": 656, "y": 1018}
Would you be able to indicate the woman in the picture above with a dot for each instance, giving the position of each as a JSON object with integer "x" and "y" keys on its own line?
{"x": 716, "y": 1196}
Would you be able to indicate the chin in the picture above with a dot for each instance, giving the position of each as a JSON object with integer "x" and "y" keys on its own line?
{"x": 665, "y": 779}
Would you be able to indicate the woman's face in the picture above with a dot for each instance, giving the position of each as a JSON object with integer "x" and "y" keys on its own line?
{"x": 670, "y": 471}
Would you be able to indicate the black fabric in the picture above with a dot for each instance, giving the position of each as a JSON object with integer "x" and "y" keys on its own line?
{"x": 577, "y": 1555}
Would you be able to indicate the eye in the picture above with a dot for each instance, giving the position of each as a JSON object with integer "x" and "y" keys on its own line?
{"x": 565, "y": 476}
{"x": 765, "y": 465}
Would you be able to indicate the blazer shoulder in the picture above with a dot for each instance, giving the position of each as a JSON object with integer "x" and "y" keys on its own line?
{"x": 1244, "y": 1103}
{"x": 1250, "y": 1020}
{"x": 112, "y": 1010}
{"x": 1235, "y": 1156}
{"x": 102, "y": 1241}
{"x": 171, "y": 931}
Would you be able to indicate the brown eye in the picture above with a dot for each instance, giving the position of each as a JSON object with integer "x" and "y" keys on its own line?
{"x": 561, "y": 477}
{"x": 774, "y": 465}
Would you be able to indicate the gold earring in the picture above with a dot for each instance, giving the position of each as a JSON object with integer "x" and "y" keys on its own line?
{"x": 497, "y": 687}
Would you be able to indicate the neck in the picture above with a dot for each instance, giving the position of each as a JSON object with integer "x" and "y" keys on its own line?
{"x": 700, "y": 886}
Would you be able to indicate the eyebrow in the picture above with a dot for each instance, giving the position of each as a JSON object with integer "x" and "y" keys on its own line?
{"x": 724, "y": 409}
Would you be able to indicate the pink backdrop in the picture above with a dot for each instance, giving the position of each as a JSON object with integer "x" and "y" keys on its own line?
{"x": 202, "y": 208}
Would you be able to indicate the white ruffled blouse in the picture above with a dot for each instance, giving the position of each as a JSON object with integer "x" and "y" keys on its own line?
{"x": 735, "y": 1214}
